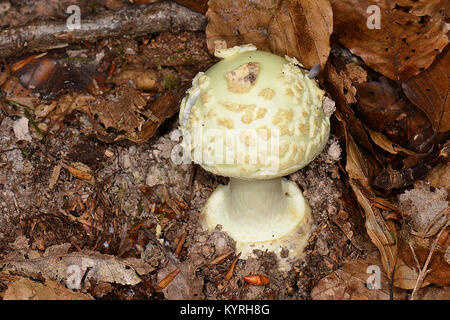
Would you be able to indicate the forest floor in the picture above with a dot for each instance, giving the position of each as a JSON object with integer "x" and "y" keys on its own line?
{"x": 93, "y": 207}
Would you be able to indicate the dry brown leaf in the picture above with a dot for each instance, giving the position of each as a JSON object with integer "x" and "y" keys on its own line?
{"x": 103, "y": 267}
{"x": 415, "y": 168}
{"x": 124, "y": 112}
{"x": 383, "y": 108}
{"x": 345, "y": 79}
{"x": 380, "y": 103}
{"x": 410, "y": 36}
{"x": 406, "y": 272}
{"x": 350, "y": 283}
{"x": 359, "y": 166}
{"x": 440, "y": 176}
{"x": 239, "y": 22}
{"x": 429, "y": 91}
{"x": 298, "y": 28}
{"x": 165, "y": 106}
{"x": 121, "y": 110}
{"x": 381, "y": 232}
{"x": 80, "y": 171}
{"x": 302, "y": 29}
{"x": 405, "y": 277}
{"x": 380, "y": 140}
{"x": 434, "y": 293}
{"x": 196, "y": 5}
{"x": 341, "y": 86}
{"x": 13, "y": 90}
{"x": 26, "y": 289}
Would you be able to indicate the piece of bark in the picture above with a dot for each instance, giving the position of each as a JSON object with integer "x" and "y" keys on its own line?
{"x": 127, "y": 21}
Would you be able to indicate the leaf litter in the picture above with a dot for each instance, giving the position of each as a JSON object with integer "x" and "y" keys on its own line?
{"x": 87, "y": 135}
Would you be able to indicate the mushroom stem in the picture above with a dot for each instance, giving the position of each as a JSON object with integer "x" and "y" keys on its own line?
{"x": 261, "y": 214}
{"x": 266, "y": 198}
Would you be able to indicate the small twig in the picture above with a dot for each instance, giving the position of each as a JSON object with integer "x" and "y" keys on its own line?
{"x": 191, "y": 183}
{"x": 415, "y": 257}
{"x": 180, "y": 244}
{"x": 424, "y": 271}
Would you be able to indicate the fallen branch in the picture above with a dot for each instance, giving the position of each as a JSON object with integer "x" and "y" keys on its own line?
{"x": 128, "y": 21}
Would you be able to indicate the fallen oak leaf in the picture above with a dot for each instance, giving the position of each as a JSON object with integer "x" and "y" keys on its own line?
{"x": 257, "y": 279}
{"x": 344, "y": 76}
{"x": 123, "y": 114}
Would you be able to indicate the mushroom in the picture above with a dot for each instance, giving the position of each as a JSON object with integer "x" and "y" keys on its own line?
{"x": 256, "y": 117}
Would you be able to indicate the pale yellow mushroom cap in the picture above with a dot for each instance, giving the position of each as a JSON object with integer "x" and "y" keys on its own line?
{"x": 253, "y": 115}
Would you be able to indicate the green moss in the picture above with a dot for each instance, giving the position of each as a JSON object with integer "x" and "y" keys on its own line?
{"x": 170, "y": 82}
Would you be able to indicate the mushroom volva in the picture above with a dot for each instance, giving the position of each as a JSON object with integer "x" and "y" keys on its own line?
{"x": 256, "y": 117}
